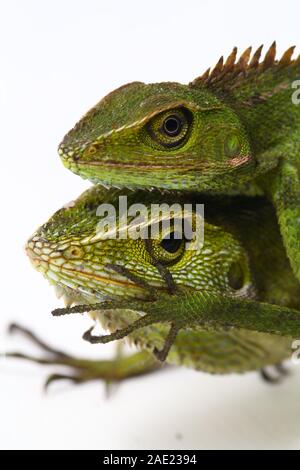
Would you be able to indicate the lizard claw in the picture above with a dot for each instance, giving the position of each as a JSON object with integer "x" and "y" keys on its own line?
{"x": 58, "y": 377}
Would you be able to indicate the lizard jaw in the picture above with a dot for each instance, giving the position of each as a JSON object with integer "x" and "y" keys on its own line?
{"x": 75, "y": 282}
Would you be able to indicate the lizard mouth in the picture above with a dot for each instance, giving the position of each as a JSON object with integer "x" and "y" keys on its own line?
{"x": 74, "y": 162}
{"x": 77, "y": 279}
{"x": 140, "y": 165}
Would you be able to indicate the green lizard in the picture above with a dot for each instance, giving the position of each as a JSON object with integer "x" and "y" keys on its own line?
{"x": 233, "y": 130}
{"x": 231, "y": 306}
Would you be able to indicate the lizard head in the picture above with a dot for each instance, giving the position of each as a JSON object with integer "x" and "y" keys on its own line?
{"x": 158, "y": 135}
{"x": 75, "y": 253}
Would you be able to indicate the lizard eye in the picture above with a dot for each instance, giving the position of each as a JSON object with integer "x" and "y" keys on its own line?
{"x": 169, "y": 249}
{"x": 170, "y": 128}
{"x": 171, "y": 244}
{"x": 172, "y": 125}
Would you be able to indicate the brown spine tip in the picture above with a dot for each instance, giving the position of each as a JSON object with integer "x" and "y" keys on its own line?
{"x": 231, "y": 59}
{"x": 287, "y": 56}
{"x": 270, "y": 56}
{"x": 218, "y": 68}
{"x": 256, "y": 58}
{"x": 205, "y": 76}
{"x": 244, "y": 59}
{"x": 202, "y": 80}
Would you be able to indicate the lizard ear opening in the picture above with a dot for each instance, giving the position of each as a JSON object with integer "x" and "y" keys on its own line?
{"x": 236, "y": 276}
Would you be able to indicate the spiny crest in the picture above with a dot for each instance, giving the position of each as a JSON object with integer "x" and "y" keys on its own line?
{"x": 227, "y": 74}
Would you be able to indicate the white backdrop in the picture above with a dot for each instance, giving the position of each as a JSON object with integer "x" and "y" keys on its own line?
{"x": 58, "y": 58}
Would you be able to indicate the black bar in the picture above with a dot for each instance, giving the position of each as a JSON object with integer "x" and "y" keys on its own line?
{"x": 126, "y": 458}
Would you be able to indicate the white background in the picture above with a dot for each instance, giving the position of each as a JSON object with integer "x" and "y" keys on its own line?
{"x": 58, "y": 58}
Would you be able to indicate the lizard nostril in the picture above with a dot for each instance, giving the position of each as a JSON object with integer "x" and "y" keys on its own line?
{"x": 91, "y": 150}
{"x": 73, "y": 252}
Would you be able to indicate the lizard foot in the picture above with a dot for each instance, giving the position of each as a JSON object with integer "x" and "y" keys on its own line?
{"x": 84, "y": 370}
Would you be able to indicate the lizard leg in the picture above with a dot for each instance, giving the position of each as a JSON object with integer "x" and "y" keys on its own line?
{"x": 84, "y": 370}
{"x": 211, "y": 311}
{"x": 285, "y": 193}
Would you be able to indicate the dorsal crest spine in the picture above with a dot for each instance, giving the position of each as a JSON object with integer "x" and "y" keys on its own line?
{"x": 226, "y": 74}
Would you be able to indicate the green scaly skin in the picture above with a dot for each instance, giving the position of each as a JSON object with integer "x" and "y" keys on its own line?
{"x": 236, "y": 307}
{"x": 236, "y": 131}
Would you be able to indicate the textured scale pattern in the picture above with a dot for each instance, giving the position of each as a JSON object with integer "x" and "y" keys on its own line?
{"x": 219, "y": 331}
